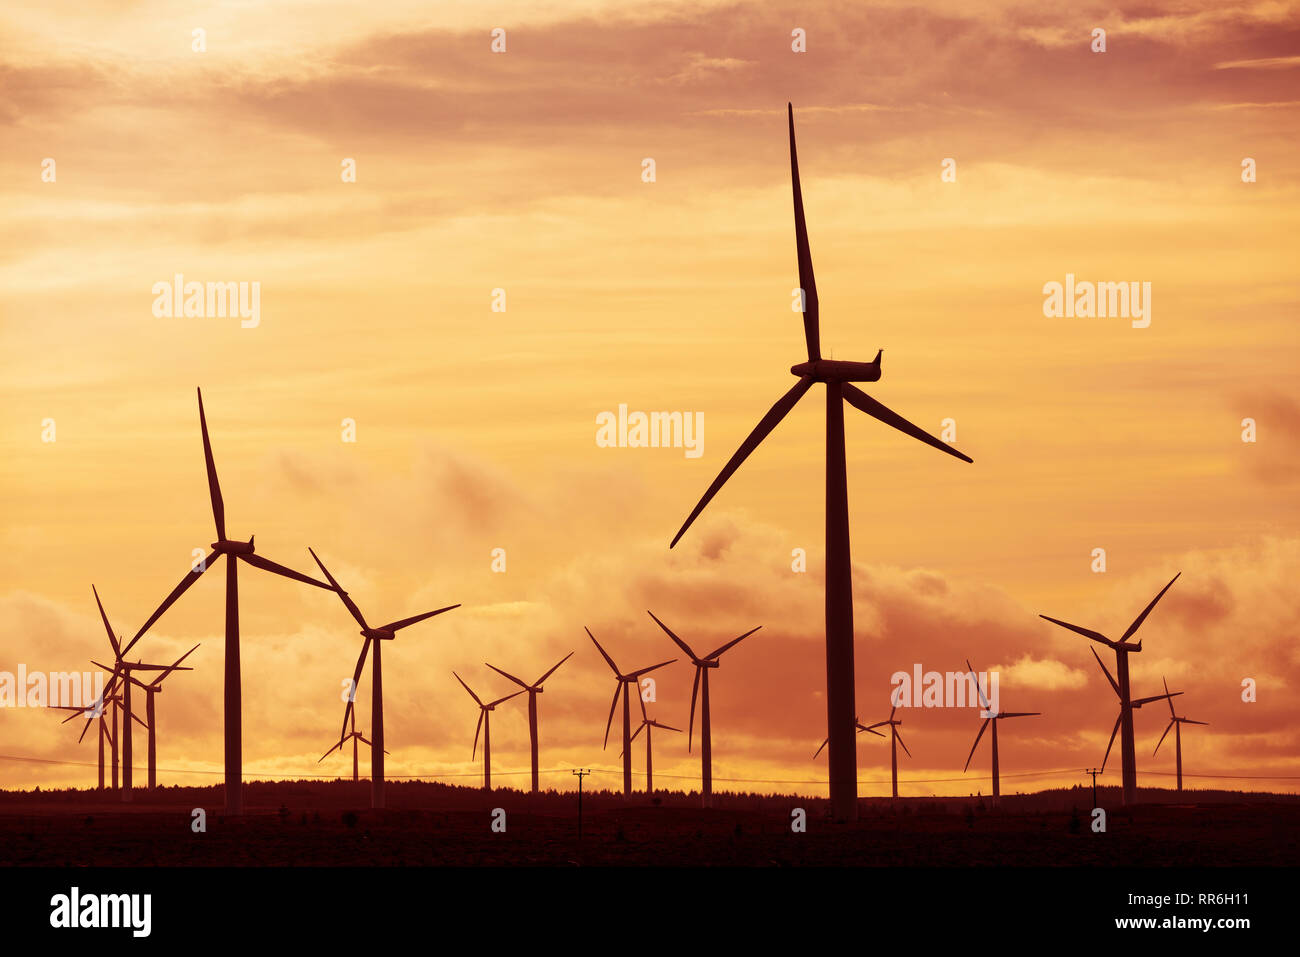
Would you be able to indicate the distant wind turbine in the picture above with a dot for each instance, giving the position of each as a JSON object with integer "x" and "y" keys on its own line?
{"x": 1126, "y": 708}
{"x": 647, "y": 724}
{"x": 623, "y": 686}
{"x": 993, "y": 718}
{"x": 533, "y": 690}
{"x": 484, "y": 725}
{"x": 375, "y": 636}
{"x": 237, "y": 551}
{"x": 1176, "y": 723}
{"x": 1122, "y": 648}
{"x": 895, "y": 739}
{"x": 838, "y": 376}
{"x": 702, "y": 668}
{"x": 354, "y": 736}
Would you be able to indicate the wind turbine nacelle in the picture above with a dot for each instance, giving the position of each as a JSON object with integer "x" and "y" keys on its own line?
{"x": 839, "y": 370}
{"x": 233, "y": 548}
{"x": 378, "y": 634}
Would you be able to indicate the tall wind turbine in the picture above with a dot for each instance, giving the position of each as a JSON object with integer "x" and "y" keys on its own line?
{"x": 235, "y": 552}
{"x": 375, "y": 636}
{"x": 993, "y": 718}
{"x": 1123, "y": 648}
{"x": 838, "y": 376}
{"x": 895, "y": 739}
{"x": 702, "y": 668}
{"x": 1126, "y": 707}
{"x": 533, "y": 690}
{"x": 484, "y": 725}
{"x": 354, "y": 736}
{"x": 648, "y": 723}
{"x": 623, "y": 685}
{"x": 1176, "y": 723}
{"x": 124, "y": 671}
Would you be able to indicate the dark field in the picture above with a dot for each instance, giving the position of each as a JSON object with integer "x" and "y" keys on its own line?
{"x": 330, "y": 823}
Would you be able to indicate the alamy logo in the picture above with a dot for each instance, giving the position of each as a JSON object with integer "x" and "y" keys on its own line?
{"x": 54, "y": 689}
{"x": 652, "y": 430}
{"x": 133, "y": 911}
{"x": 211, "y": 300}
{"x": 950, "y": 689}
{"x": 1087, "y": 300}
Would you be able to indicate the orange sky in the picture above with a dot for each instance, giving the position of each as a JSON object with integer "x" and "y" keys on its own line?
{"x": 476, "y": 429}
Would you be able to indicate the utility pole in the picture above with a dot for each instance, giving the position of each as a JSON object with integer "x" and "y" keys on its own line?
{"x": 581, "y": 773}
{"x": 1094, "y": 772}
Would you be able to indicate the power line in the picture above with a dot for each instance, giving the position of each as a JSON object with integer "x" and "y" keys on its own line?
{"x": 315, "y": 775}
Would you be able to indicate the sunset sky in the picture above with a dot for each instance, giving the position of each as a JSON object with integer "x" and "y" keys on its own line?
{"x": 475, "y": 429}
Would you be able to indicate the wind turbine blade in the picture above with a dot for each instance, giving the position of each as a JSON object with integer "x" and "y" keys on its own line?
{"x": 214, "y": 487}
{"x": 190, "y": 578}
{"x": 469, "y": 689}
{"x": 638, "y": 674}
{"x": 1020, "y": 714}
{"x": 610, "y": 661}
{"x": 366, "y": 741}
{"x": 666, "y": 727}
{"x": 976, "y": 744}
{"x": 1086, "y": 632}
{"x": 1155, "y": 697}
{"x": 695, "y": 688}
{"x": 680, "y": 644}
{"x": 641, "y": 701}
{"x": 347, "y": 601}
{"x": 84, "y": 730}
{"x": 1162, "y": 738}
{"x": 267, "y": 565}
{"x": 807, "y": 282}
{"x": 175, "y": 666}
{"x": 538, "y": 682}
{"x": 639, "y": 728}
{"x": 891, "y": 713}
{"x": 399, "y": 625}
{"x": 1190, "y": 721}
{"x": 1137, "y": 622}
{"x": 1106, "y": 671}
{"x": 819, "y": 750}
{"x": 984, "y": 702}
{"x": 1113, "y": 731}
{"x": 329, "y": 752}
{"x": 493, "y": 704}
{"x": 865, "y": 403}
{"x": 872, "y": 727}
{"x": 112, "y": 639}
{"x": 356, "y": 683}
{"x": 900, "y": 741}
{"x": 1168, "y": 699}
{"x": 140, "y": 721}
{"x": 765, "y": 426}
{"x": 733, "y": 643}
{"x": 612, "y": 705}
{"x": 477, "y": 728}
{"x": 506, "y": 674}
{"x": 870, "y": 730}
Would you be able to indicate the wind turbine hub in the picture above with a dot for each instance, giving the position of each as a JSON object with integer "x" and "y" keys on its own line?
{"x": 233, "y": 548}
{"x": 378, "y": 634}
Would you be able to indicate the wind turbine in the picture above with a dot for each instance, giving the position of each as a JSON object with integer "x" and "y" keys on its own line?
{"x": 376, "y": 636}
{"x": 1126, "y": 710}
{"x": 993, "y": 718}
{"x": 623, "y": 685}
{"x": 95, "y": 712}
{"x": 895, "y": 739}
{"x": 646, "y": 724}
{"x": 354, "y": 736}
{"x": 838, "y": 376}
{"x": 1123, "y": 648}
{"x": 702, "y": 668}
{"x": 236, "y": 552}
{"x": 484, "y": 725}
{"x": 533, "y": 690}
{"x": 1176, "y": 723}
{"x": 151, "y": 690}
{"x": 124, "y": 671}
